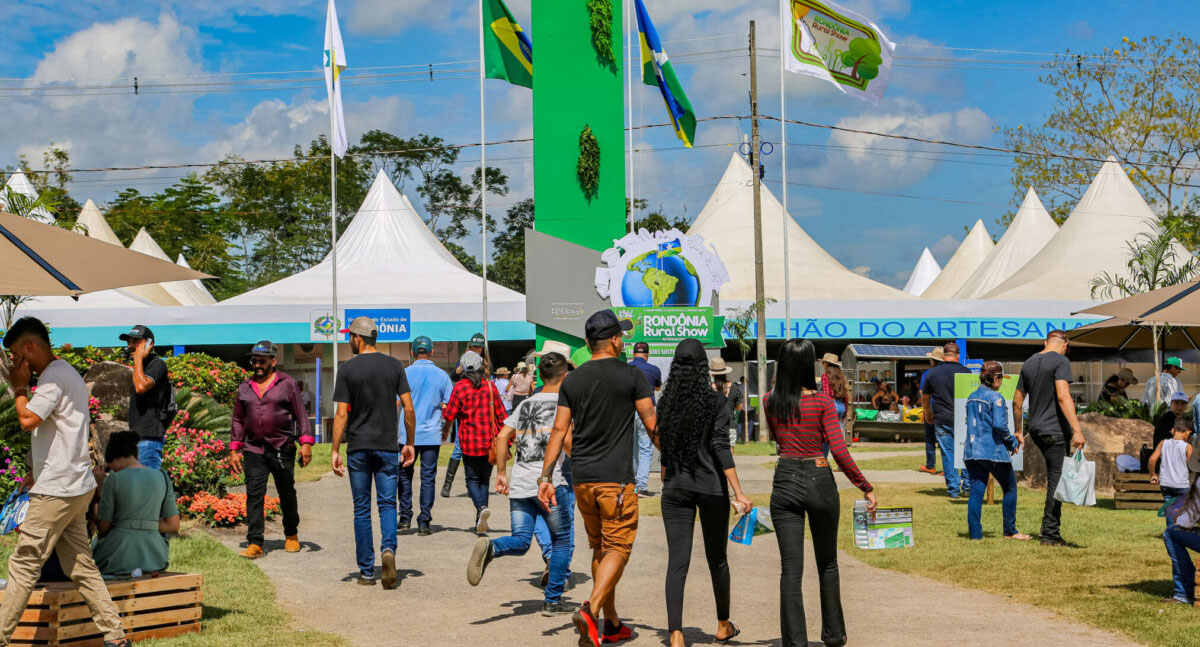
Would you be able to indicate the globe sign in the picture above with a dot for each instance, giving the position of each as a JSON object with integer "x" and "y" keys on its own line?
{"x": 660, "y": 278}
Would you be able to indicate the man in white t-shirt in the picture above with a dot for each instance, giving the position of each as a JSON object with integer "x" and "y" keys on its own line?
{"x": 57, "y": 415}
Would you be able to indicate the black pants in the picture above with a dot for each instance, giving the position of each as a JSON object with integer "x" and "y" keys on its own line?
{"x": 803, "y": 489}
{"x": 277, "y": 464}
{"x": 479, "y": 475}
{"x": 679, "y": 517}
{"x": 1054, "y": 449}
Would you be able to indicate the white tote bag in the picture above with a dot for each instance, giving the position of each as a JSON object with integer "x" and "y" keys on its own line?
{"x": 1078, "y": 481}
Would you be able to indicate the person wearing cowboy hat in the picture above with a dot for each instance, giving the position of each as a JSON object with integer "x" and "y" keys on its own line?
{"x": 720, "y": 371}
{"x": 931, "y": 448}
{"x": 520, "y": 386}
{"x": 1114, "y": 387}
{"x": 835, "y": 385}
{"x": 500, "y": 377}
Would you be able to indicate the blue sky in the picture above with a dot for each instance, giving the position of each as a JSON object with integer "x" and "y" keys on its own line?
{"x": 106, "y": 42}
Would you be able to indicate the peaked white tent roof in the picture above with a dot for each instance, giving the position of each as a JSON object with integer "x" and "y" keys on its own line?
{"x": 195, "y": 288}
{"x": 386, "y": 255}
{"x": 95, "y": 224}
{"x": 1027, "y": 234}
{"x": 924, "y": 273}
{"x": 21, "y": 184}
{"x": 1091, "y": 241}
{"x": 185, "y": 293}
{"x": 967, "y": 258}
{"x": 725, "y": 221}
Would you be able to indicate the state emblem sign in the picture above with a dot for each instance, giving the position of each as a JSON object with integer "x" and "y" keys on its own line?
{"x": 660, "y": 269}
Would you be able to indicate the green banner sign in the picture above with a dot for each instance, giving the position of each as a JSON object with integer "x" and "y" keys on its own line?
{"x": 663, "y": 327}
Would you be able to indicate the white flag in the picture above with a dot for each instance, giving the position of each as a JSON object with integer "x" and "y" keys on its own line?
{"x": 335, "y": 62}
{"x": 829, "y": 42}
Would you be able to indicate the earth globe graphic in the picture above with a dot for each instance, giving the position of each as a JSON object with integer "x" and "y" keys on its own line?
{"x": 660, "y": 278}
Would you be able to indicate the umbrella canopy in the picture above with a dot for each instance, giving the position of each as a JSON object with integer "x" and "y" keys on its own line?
{"x": 1178, "y": 305}
{"x": 1121, "y": 333}
{"x": 38, "y": 259}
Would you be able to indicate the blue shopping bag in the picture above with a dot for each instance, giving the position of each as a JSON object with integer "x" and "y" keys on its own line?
{"x": 14, "y": 511}
{"x": 743, "y": 531}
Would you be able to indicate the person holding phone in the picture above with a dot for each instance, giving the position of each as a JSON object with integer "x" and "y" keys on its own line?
{"x": 149, "y": 394}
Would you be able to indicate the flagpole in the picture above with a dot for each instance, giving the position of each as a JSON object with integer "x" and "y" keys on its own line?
{"x": 483, "y": 176}
{"x": 333, "y": 216}
{"x": 787, "y": 264}
{"x": 629, "y": 26}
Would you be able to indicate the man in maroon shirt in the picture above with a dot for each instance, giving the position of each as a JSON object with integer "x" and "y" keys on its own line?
{"x": 268, "y": 420}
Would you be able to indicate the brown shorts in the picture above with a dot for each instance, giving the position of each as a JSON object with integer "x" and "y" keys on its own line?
{"x": 610, "y": 516}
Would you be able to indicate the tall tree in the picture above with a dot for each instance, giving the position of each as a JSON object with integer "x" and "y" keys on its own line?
{"x": 1138, "y": 103}
{"x": 508, "y": 268}
{"x": 656, "y": 220}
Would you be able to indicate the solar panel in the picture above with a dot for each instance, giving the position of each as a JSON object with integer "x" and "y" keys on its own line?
{"x": 889, "y": 352}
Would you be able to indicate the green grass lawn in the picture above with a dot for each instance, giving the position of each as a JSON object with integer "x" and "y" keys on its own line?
{"x": 239, "y": 600}
{"x": 1112, "y": 576}
{"x": 768, "y": 449}
{"x": 891, "y": 463}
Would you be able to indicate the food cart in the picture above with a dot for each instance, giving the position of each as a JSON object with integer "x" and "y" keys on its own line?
{"x": 900, "y": 366}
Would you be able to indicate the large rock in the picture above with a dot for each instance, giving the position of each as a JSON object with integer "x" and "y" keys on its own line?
{"x": 1107, "y": 438}
{"x": 104, "y": 427}
{"x": 109, "y": 382}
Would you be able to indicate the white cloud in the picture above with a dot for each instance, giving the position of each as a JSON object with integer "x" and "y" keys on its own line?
{"x": 862, "y": 270}
{"x": 388, "y": 17}
{"x": 1080, "y": 30}
{"x": 944, "y": 248}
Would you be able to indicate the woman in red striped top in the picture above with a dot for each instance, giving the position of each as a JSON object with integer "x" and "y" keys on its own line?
{"x": 802, "y": 420}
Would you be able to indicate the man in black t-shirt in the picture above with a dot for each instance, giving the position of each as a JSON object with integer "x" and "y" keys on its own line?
{"x": 1046, "y": 382}
{"x": 600, "y": 398}
{"x": 938, "y": 402}
{"x": 148, "y": 395}
{"x": 366, "y": 394}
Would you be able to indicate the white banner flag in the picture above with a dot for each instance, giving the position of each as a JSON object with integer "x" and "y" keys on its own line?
{"x": 838, "y": 45}
{"x": 334, "y": 63}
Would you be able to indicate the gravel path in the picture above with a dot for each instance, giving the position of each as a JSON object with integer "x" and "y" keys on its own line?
{"x": 434, "y": 605}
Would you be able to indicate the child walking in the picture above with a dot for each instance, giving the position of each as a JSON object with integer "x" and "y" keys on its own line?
{"x": 1174, "y": 453}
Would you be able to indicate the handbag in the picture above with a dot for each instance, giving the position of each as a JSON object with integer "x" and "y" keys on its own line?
{"x": 493, "y": 433}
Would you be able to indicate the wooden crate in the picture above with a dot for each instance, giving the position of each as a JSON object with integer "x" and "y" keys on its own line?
{"x": 1134, "y": 491}
{"x": 1197, "y": 603}
{"x": 150, "y": 607}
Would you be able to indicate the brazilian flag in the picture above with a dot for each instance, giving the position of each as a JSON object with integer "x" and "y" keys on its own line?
{"x": 508, "y": 54}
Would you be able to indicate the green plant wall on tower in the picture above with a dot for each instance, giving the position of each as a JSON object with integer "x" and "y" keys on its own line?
{"x": 600, "y": 14}
{"x": 588, "y": 166}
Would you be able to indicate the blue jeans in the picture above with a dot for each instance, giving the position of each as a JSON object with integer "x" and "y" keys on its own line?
{"x": 1007, "y": 478}
{"x": 954, "y": 480}
{"x": 1183, "y": 571}
{"x": 150, "y": 453}
{"x": 930, "y": 447}
{"x": 642, "y": 455}
{"x": 479, "y": 476}
{"x": 428, "y": 455}
{"x": 456, "y": 455}
{"x": 559, "y": 523}
{"x": 383, "y": 468}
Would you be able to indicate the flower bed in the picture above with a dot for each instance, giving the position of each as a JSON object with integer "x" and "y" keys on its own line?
{"x": 222, "y": 512}
{"x": 197, "y": 460}
{"x": 206, "y": 374}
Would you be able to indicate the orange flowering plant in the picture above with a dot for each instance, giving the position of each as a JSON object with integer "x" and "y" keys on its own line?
{"x": 222, "y": 511}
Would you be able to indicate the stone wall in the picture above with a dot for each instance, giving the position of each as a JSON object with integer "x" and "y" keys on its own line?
{"x": 1106, "y": 439}
{"x": 109, "y": 382}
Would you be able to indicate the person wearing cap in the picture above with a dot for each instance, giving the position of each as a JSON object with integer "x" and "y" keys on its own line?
{"x": 367, "y": 418}
{"x": 475, "y": 345}
{"x": 269, "y": 420}
{"x": 1166, "y": 423}
{"x": 596, "y": 402}
{"x": 931, "y": 447}
{"x": 1167, "y": 382}
{"x": 938, "y": 404}
{"x": 148, "y": 395}
{"x": 643, "y": 448}
{"x": 1114, "y": 387}
{"x": 476, "y": 406}
{"x": 431, "y": 387}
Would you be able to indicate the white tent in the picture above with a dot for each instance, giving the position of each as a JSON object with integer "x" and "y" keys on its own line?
{"x": 186, "y": 293}
{"x": 967, "y": 258}
{"x": 726, "y": 223}
{"x": 1027, "y": 234}
{"x": 1091, "y": 241}
{"x": 94, "y": 224}
{"x": 386, "y": 256}
{"x": 194, "y": 287}
{"x": 924, "y": 273}
{"x": 21, "y": 184}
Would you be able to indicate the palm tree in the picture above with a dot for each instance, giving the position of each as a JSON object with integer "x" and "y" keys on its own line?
{"x": 737, "y": 322}
{"x": 1155, "y": 260}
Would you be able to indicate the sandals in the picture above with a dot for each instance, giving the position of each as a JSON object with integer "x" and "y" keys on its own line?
{"x": 726, "y": 639}
{"x": 1019, "y": 537}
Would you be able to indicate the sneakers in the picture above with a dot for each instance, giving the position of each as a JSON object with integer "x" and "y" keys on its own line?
{"x": 292, "y": 544}
{"x": 253, "y": 551}
{"x": 645, "y": 494}
{"x": 611, "y": 635}
{"x": 389, "y": 569}
{"x": 124, "y": 642}
{"x": 481, "y": 521}
{"x": 423, "y": 530}
{"x": 481, "y": 556}
{"x": 551, "y": 609}
{"x": 585, "y": 623}
{"x": 928, "y": 470}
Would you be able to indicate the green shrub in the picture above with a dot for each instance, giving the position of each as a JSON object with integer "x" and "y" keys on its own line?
{"x": 84, "y": 358}
{"x": 197, "y": 460}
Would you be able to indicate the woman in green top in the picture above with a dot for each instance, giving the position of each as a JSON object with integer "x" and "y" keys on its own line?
{"x": 137, "y": 505}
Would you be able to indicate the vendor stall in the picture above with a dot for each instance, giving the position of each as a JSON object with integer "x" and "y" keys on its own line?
{"x": 900, "y": 367}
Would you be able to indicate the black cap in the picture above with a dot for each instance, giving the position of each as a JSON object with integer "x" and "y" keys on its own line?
{"x": 477, "y": 340}
{"x": 137, "y": 332}
{"x": 265, "y": 347}
{"x": 604, "y": 325}
{"x": 641, "y": 347}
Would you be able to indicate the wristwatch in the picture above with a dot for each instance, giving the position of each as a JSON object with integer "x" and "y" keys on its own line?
{"x": 545, "y": 479}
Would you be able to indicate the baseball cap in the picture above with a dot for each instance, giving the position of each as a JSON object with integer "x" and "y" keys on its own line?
{"x": 137, "y": 332}
{"x": 641, "y": 347}
{"x": 1179, "y": 395}
{"x": 265, "y": 347}
{"x": 1175, "y": 361}
{"x": 471, "y": 361}
{"x": 422, "y": 344}
{"x": 604, "y": 324}
{"x": 363, "y": 327}
{"x": 476, "y": 340}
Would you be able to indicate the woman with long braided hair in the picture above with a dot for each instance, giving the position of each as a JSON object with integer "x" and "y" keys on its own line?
{"x": 697, "y": 473}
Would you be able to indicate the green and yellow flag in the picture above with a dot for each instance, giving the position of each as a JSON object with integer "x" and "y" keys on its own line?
{"x": 508, "y": 54}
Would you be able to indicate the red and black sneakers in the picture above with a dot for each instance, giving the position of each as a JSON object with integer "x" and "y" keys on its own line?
{"x": 622, "y": 632}
{"x": 589, "y": 628}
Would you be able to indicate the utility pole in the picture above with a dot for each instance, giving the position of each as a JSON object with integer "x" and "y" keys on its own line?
{"x": 759, "y": 291}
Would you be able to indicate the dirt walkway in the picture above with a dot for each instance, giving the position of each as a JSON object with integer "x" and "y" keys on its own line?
{"x": 434, "y": 605}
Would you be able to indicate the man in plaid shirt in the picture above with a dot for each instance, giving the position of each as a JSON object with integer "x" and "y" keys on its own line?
{"x": 476, "y": 405}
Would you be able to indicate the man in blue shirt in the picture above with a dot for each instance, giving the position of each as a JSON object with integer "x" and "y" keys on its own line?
{"x": 938, "y": 402}
{"x": 644, "y": 450}
{"x": 431, "y": 387}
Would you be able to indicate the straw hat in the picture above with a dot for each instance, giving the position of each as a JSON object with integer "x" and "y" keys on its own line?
{"x": 830, "y": 358}
{"x": 502, "y": 371}
{"x": 716, "y": 366}
{"x": 937, "y": 354}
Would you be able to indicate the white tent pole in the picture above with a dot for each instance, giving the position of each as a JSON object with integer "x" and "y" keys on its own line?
{"x": 333, "y": 231}
{"x": 483, "y": 177}
{"x": 630, "y": 54}
{"x": 787, "y": 264}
